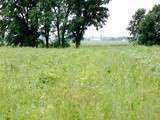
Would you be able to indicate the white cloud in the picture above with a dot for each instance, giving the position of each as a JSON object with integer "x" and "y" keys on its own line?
{"x": 121, "y": 12}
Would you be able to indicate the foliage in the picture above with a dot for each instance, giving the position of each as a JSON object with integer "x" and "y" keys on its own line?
{"x": 56, "y": 44}
{"x": 134, "y": 24}
{"x": 24, "y": 22}
{"x": 145, "y": 29}
{"x": 150, "y": 28}
{"x": 46, "y": 18}
{"x": 62, "y": 11}
{"x": 117, "y": 82}
{"x": 17, "y": 24}
{"x": 85, "y": 14}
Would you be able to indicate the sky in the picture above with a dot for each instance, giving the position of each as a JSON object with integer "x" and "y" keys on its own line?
{"x": 120, "y": 12}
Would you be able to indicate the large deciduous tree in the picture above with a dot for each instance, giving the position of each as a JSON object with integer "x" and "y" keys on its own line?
{"x": 87, "y": 13}
{"x": 17, "y": 24}
{"x": 149, "y": 33}
{"x": 22, "y": 22}
{"x": 145, "y": 28}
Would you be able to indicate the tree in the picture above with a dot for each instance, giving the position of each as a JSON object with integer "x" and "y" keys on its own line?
{"x": 134, "y": 24}
{"x": 145, "y": 29}
{"x": 62, "y": 10}
{"x": 149, "y": 33}
{"x": 23, "y": 22}
{"x": 46, "y": 18}
{"x": 85, "y": 14}
{"x": 20, "y": 29}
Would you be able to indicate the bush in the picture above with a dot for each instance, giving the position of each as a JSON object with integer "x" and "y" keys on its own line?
{"x": 56, "y": 44}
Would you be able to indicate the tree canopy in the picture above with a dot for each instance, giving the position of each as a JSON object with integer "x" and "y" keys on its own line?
{"x": 30, "y": 22}
{"x": 134, "y": 24}
{"x": 145, "y": 28}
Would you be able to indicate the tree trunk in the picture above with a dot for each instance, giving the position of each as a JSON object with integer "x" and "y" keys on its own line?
{"x": 63, "y": 34}
{"x": 65, "y": 26}
{"x": 77, "y": 44}
{"x": 63, "y": 40}
{"x": 47, "y": 41}
{"x": 59, "y": 39}
{"x": 58, "y": 33}
{"x": 78, "y": 38}
{"x": 78, "y": 41}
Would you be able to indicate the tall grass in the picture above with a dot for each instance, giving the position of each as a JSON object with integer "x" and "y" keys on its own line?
{"x": 91, "y": 83}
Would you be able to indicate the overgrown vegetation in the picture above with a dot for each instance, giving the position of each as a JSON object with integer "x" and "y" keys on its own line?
{"x": 117, "y": 82}
{"x": 145, "y": 28}
{"x": 30, "y": 22}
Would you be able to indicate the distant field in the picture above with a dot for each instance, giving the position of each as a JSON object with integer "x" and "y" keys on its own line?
{"x": 96, "y": 82}
{"x": 104, "y": 43}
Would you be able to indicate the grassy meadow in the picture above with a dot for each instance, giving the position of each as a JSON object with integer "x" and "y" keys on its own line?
{"x": 95, "y": 82}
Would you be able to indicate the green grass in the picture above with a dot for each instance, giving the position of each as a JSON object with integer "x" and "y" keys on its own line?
{"x": 96, "y": 82}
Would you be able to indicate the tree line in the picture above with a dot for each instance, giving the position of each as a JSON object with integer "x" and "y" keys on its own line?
{"x": 144, "y": 27}
{"x": 32, "y": 22}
